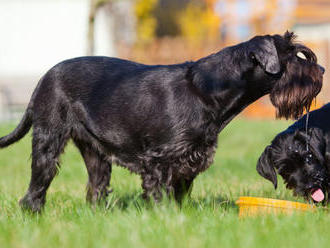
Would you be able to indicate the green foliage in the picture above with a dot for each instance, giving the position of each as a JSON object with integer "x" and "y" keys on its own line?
{"x": 208, "y": 219}
{"x": 198, "y": 21}
{"x": 146, "y": 22}
{"x": 192, "y": 19}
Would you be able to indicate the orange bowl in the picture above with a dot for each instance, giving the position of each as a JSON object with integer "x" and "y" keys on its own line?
{"x": 252, "y": 206}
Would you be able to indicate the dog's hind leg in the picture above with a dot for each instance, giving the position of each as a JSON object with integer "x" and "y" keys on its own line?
{"x": 99, "y": 173}
{"x": 47, "y": 145}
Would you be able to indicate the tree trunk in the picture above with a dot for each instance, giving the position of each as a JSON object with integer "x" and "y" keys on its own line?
{"x": 91, "y": 23}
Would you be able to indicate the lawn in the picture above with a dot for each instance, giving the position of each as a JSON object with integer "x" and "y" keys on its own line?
{"x": 208, "y": 219}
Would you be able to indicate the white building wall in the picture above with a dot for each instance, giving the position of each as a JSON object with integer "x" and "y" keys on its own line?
{"x": 37, "y": 34}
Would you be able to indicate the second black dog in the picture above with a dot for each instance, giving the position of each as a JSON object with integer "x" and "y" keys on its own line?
{"x": 301, "y": 156}
{"x": 161, "y": 122}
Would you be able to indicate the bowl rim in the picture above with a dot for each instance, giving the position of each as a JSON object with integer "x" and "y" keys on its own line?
{"x": 274, "y": 203}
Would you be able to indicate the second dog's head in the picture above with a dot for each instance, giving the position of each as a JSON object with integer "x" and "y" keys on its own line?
{"x": 303, "y": 169}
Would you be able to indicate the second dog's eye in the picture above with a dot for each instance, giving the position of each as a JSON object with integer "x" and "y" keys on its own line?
{"x": 253, "y": 58}
{"x": 309, "y": 158}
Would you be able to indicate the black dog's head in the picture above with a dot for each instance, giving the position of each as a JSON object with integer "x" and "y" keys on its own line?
{"x": 303, "y": 170}
{"x": 270, "y": 64}
{"x": 300, "y": 81}
{"x": 296, "y": 77}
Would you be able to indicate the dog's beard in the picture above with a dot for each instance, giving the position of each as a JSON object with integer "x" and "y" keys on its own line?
{"x": 298, "y": 87}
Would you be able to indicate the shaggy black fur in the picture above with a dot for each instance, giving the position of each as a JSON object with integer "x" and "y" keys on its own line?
{"x": 161, "y": 121}
{"x": 303, "y": 169}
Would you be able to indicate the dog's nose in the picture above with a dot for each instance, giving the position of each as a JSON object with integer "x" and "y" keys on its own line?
{"x": 322, "y": 69}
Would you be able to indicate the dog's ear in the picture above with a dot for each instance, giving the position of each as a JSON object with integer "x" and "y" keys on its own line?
{"x": 265, "y": 166}
{"x": 266, "y": 55}
{"x": 327, "y": 151}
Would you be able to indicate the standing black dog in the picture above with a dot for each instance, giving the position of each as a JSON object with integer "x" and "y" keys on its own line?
{"x": 301, "y": 156}
{"x": 161, "y": 121}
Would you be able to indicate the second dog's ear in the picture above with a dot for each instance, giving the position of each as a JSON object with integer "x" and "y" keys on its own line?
{"x": 267, "y": 57}
{"x": 327, "y": 151}
{"x": 265, "y": 166}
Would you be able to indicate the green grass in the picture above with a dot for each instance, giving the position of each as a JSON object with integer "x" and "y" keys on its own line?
{"x": 208, "y": 219}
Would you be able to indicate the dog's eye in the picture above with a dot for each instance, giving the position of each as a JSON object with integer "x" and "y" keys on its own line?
{"x": 301, "y": 55}
{"x": 253, "y": 58}
{"x": 309, "y": 158}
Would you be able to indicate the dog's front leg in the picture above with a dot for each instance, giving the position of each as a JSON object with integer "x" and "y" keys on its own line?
{"x": 161, "y": 180}
{"x": 157, "y": 181}
{"x": 152, "y": 187}
{"x": 182, "y": 188}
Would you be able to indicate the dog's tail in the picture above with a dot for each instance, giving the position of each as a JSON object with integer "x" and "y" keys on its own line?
{"x": 20, "y": 131}
{"x": 24, "y": 125}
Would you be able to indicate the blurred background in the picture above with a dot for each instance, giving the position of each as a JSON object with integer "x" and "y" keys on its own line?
{"x": 37, "y": 34}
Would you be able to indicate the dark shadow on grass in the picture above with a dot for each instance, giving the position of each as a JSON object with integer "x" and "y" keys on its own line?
{"x": 211, "y": 202}
{"x": 135, "y": 200}
{"x": 122, "y": 201}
